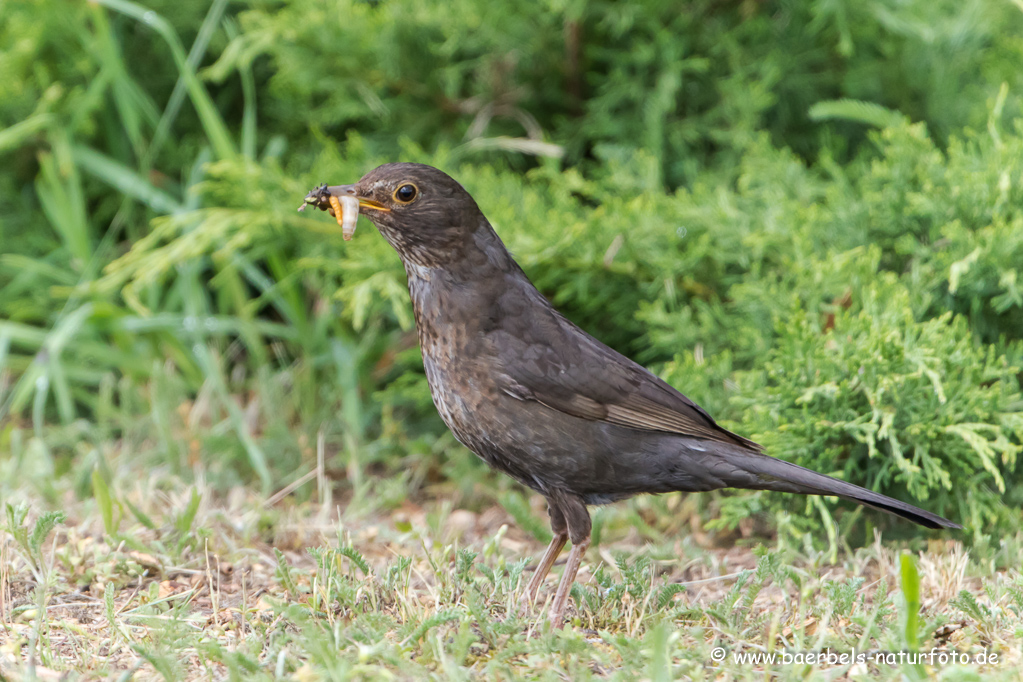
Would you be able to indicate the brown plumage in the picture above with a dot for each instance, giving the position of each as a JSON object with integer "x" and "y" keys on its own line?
{"x": 538, "y": 398}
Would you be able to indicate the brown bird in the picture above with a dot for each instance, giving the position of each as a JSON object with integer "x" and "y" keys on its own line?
{"x": 540, "y": 399}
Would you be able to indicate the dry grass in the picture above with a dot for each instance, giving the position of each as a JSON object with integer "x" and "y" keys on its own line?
{"x": 235, "y": 587}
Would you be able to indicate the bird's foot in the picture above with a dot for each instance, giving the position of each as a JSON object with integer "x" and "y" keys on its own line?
{"x": 549, "y": 557}
{"x": 556, "y": 616}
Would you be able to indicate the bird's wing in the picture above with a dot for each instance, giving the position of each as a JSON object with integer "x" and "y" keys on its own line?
{"x": 551, "y": 361}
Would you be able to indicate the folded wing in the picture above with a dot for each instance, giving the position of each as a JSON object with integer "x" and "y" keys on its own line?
{"x": 553, "y": 362}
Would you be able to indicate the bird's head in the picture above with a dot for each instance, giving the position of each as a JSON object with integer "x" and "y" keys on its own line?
{"x": 422, "y": 212}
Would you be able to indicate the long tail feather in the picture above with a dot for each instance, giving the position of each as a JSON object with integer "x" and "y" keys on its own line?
{"x": 769, "y": 473}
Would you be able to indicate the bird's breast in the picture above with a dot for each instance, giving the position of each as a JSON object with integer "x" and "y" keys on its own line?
{"x": 460, "y": 385}
{"x": 540, "y": 447}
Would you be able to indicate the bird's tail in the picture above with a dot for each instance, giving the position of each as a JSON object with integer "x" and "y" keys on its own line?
{"x": 769, "y": 473}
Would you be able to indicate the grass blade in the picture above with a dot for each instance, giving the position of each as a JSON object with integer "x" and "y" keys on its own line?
{"x": 125, "y": 180}
{"x": 195, "y": 57}
{"x": 103, "y": 499}
{"x": 213, "y": 124}
{"x": 16, "y": 135}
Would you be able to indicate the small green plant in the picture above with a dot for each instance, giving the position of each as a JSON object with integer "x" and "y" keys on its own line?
{"x": 30, "y": 540}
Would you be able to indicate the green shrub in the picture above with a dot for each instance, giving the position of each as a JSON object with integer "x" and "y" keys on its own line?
{"x": 916, "y": 409}
{"x": 691, "y": 85}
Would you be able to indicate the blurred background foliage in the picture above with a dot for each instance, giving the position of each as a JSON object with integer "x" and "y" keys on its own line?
{"x": 808, "y": 216}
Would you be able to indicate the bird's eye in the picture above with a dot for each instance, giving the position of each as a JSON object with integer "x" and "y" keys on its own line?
{"x": 406, "y": 193}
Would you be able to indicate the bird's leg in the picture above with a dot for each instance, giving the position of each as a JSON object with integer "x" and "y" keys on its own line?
{"x": 560, "y": 529}
{"x": 557, "y": 613}
{"x": 579, "y": 527}
{"x": 549, "y": 557}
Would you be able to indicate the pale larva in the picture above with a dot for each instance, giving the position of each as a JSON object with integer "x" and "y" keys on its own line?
{"x": 349, "y": 214}
{"x": 346, "y": 212}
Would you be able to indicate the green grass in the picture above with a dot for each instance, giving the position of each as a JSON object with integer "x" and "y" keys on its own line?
{"x": 153, "y": 578}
